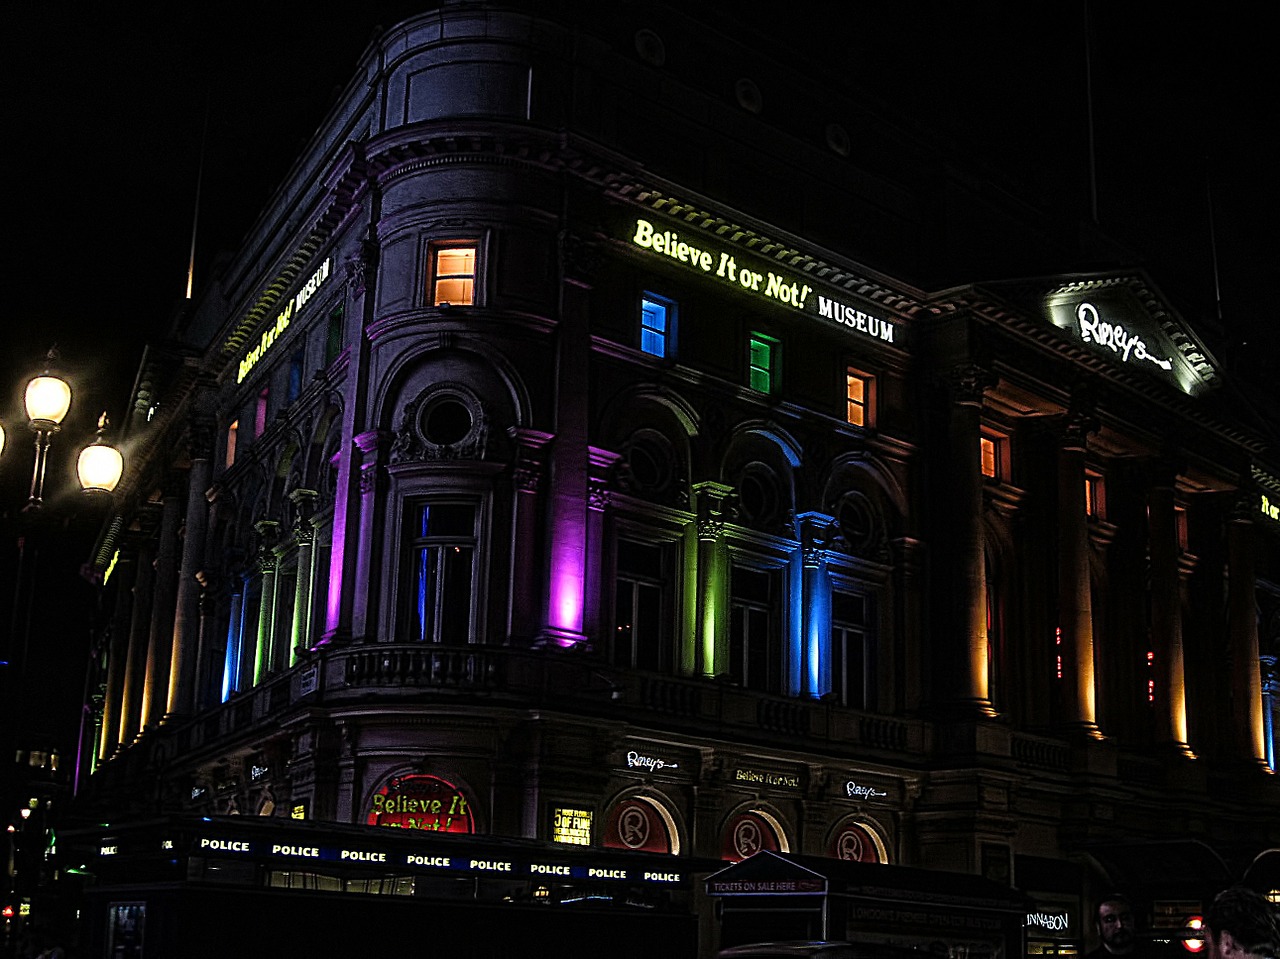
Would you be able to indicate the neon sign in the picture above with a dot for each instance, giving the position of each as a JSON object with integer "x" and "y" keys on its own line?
{"x": 854, "y": 789}
{"x": 1269, "y": 509}
{"x": 1113, "y": 336}
{"x": 767, "y": 779}
{"x": 637, "y": 760}
{"x": 765, "y": 283}
{"x": 421, "y": 802}
{"x": 273, "y": 332}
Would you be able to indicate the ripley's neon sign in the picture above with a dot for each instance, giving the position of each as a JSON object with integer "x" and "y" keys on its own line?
{"x": 766, "y": 283}
{"x": 1114, "y": 337}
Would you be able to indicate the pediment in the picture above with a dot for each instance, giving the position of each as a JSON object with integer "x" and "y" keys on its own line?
{"x": 1122, "y": 319}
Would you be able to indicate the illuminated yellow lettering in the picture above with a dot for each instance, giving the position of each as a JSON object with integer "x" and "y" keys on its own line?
{"x": 728, "y": 267}
{"x": 644, "y": 234}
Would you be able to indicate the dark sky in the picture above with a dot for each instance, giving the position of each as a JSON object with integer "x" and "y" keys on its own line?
{"x": 112, "y": 107}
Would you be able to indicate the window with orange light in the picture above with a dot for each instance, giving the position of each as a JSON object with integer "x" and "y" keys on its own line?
{"x": 232, "y": 433}
{"x": 1094, "y": 506}
{"x": 859, "y": 398}
{"x": 453, "y": 273}
{"x": 992, "y": 450}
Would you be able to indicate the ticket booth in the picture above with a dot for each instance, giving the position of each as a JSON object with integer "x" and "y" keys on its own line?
{"x": 779, "y": 896}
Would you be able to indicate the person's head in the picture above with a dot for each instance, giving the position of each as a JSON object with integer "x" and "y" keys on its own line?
{"x": 1242, "y": 925}
{"x": 1114, "y": 919}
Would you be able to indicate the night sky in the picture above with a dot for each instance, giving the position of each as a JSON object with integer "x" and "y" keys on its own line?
{"x": 111, "y": 109}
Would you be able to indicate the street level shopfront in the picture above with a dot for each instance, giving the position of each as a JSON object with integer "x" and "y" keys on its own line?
{"x": 216, "y": 887}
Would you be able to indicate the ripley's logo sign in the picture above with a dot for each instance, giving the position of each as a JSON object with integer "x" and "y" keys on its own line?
{"x": 1114, "y": 337}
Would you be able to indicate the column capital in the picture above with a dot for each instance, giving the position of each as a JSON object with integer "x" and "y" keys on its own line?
{"x": 968, "y": 382}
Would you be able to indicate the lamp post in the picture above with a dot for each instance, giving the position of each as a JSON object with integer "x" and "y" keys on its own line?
{"x": 47, "y": 401}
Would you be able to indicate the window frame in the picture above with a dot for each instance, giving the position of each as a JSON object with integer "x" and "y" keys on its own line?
{"x": 741, "y": 658}
{"x": 771, "y": 372}
{"x": 1000, "y": 456}
{"x": 666, "y": 336}
{"x": 662, "y": 640}
{"x": 867, "y": 406}
{"x": 434, "y": 277}
{"x": 414, "y": 625}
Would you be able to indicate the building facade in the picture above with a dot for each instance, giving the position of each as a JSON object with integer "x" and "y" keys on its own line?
{"x": 582, "y": 449}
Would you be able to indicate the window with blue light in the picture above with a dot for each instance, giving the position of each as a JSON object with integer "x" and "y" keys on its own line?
{"x": 657, "y": 325}
{"x": 442, "y": 550}
{"x": 762, "y": 363}
{"x": 295, "y": 377}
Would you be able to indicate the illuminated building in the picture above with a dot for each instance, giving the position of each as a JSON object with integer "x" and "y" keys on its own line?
{"x": 535, "y": 472}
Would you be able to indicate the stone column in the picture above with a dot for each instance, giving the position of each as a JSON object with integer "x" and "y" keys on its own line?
{"x": 602, "y": 463}
{"x": 966, "y": 688}
{"x": 155, "y": 690}
{"x": 1075, "y": 597}
{"x": 344, "y": 558}
{"x": 1166, "y": 610}
{"x": 125, "y": 575}
{"x": 816, "y": 678}
{"x": 186, "y": 621}
{"x": 304, "y": 537}
{"x": 1245, "y": 705}
{"x": 525, "y": 608}
{"x": 269, "y": 533}
{"x": 567, "y": 498}
{"x": 712, "y": 647}
{"x": 364, "y": 605}
{"x": 139, "y": 629}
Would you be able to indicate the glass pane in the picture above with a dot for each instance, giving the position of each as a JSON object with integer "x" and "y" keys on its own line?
{"x": 652, "y": 343}
{"x": 456, "y": 291}
{"x": 446, "y": 519}
{"x": 455, "y": 595}
{"x": 648, "y": 632}
{"x": 456, "y": 261}
{"x": 642, "y": 559}
{"x": 654, "y": 316}
{"x": 856, "y": 387}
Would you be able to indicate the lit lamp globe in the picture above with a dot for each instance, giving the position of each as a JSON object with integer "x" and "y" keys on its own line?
{"x": 1, "y": 437}
{"x": 48, "y": 399}
{"x": 100, "y": 464}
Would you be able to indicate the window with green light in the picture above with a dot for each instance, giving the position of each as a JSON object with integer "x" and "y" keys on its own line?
{"x": 762, "y": 363}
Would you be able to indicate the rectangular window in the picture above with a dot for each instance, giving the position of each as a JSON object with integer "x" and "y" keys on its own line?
{"x": 853, "y": 663}
{"x": 295, "y": 377}
{"x": 755, "y": 647}
{"x": 442, "y": 552}
{"x": 994, "y": 454}
{"x": 1094, "y": 501}
{"x": 859, "y": 397}
{"x": 762, "y": 363}
{"x": 657, "y": 325}
{"x": 333, "y": 335}
{"x": 260, "y": 413}
{"x": 232, "y": 433}
{"x": 639, "y": 633}
{"x": 453, "y": 274}
{"x": 1180, "y": 524}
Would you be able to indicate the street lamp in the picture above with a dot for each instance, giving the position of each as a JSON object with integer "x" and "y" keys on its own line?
{"x": 48, "y": 398}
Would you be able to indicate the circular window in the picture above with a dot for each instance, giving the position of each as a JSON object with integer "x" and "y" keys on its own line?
{"x": 649, "y": 459}
{"x": 758, "y": 495}
{"x": 857, "y": 522}
{"x": 651, "y": 48}
{"x": 748, "y": 94}
{"x": 446, "y": 422}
